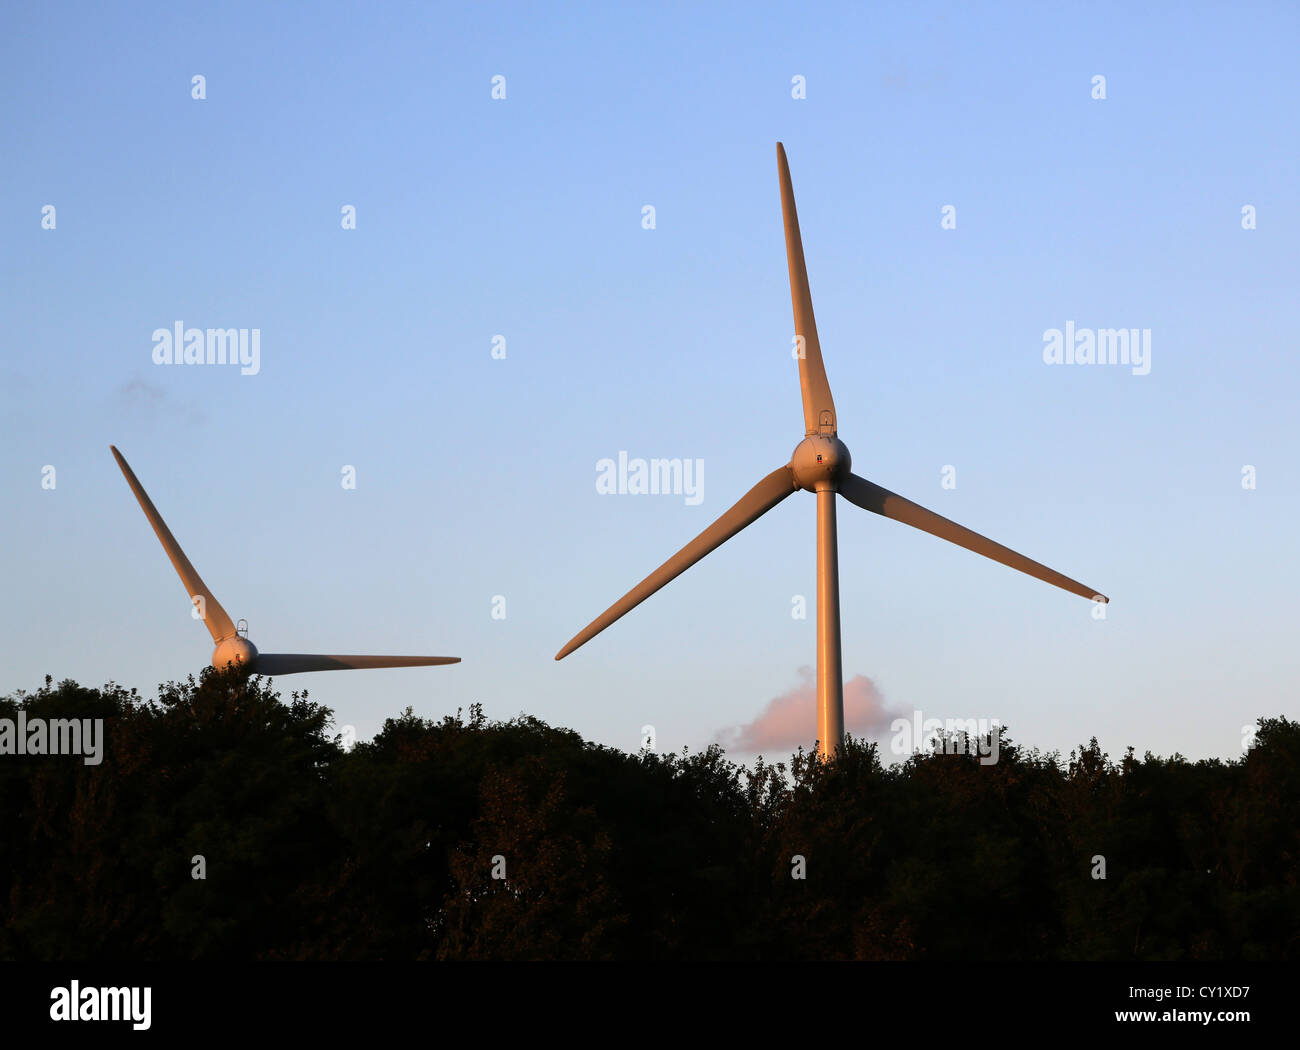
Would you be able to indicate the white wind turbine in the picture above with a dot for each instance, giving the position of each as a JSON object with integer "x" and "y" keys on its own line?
{"x": 820, "y": 464}
{"x": 232, "y": 647}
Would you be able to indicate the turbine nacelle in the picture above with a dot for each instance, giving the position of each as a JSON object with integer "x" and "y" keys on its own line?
{"x": 238, "y": 651}
{"x": 821, "y": 461}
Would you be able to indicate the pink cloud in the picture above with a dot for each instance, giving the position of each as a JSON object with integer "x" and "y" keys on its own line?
{"x": 791, "y": 719}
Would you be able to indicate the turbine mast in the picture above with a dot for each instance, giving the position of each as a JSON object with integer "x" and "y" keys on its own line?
{"x": 830, "y": 671}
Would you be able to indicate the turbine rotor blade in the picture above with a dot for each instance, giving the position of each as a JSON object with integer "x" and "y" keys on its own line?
{"x": 818, "y": 405}
{"x": 214, "y": 616}
{"x": 748, "y": 509}
{"x": 295, "y": 663}
{"x": 888, "y": 504}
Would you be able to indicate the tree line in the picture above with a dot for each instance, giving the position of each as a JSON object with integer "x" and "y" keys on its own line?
{"x": 226, "y": 823}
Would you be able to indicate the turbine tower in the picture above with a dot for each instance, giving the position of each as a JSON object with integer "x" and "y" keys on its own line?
{"x": 820, "y": 465}
{"x": 232, "y": 647}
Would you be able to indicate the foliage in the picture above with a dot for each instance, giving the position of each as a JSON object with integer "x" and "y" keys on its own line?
{"x": 390, "y": 850}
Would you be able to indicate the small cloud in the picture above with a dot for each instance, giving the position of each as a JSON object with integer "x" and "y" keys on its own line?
{"x": 898, "y": 81}
{"x": 138, "y": 391}
{"x": 791, "y": 719}
{"x": 152, "y": 401}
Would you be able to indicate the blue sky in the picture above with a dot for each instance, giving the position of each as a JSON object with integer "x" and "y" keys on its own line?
{"x": 522, "y": 217}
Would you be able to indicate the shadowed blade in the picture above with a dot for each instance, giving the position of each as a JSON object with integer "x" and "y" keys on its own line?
{"x": 293, "y": 663}
{"x": 818, "y": 406}
{"x": 219, "y": 624}
{"x": 748, "y": 509}
{"x": 891, "y": 505}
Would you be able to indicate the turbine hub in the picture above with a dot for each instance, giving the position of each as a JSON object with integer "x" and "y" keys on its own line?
{"x": 234, "y": 650}
{"x": 820, "y": 460}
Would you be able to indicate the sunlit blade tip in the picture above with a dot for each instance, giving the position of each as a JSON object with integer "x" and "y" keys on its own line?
{"x": 214, "y": 617}
{"x": 818, "y": 405}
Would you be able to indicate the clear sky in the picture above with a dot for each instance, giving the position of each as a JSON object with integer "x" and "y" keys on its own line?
{"x": 522, "y": 217}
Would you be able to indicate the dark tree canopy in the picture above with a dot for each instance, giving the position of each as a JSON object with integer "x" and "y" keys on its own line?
{"x": 470, "y": 839}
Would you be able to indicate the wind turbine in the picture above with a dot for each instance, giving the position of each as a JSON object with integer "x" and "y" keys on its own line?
{"x": 232, "y": 647}
{"x": 821, "y": 465}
